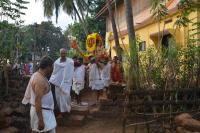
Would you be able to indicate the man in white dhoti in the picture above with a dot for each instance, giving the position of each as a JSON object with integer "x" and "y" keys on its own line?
{"x": 39, "y": 95}
{"x": 62, "y": 79}
{"x": 78, "y": 79}
{"x": 96, "y": 80}
{"x": 106, "y": 73}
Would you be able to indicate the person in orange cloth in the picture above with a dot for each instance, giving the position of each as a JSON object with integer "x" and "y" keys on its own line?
{"x": 116, "y": 70}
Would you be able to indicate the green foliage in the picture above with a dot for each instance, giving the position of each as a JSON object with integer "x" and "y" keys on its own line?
{"x": 13, "y": 9}
{"x": 71, "y": 53}
{"x": 190, "y": 66}
{"x": 7, "y": 41}
{"x": 93, "y": 25}
{"x": 8, "y": 32}
{"x": 175, "y": 68}
{"x": 186, "y": 7}
{"x": 47, "y": 39}
{"x": 151, "y": 68}
{"x": 158, "y": 9}
{"x": 71, "y": 7}
{"x": 77, "y": 31}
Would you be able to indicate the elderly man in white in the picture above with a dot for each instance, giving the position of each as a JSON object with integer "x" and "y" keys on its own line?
{"x": 62, "y": 79}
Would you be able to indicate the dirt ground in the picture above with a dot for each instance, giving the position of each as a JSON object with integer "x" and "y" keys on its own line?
{"x": 100, "y": 126}
{"x": 94, "y": 126}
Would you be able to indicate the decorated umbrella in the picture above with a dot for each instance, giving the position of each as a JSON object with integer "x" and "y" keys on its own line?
{"x": 94, "y": 46}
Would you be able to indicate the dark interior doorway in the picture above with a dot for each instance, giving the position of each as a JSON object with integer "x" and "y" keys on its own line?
{"x": 166, "y": 40}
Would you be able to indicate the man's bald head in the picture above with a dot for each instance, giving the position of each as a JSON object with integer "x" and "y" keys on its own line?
{"x": 63, "y": 53}
{"x": 63, "y": 50}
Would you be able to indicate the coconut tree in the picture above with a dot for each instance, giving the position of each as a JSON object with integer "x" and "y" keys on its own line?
{"x": 114, "y": 27}
{"x": 133, "y": 77}
{"x": 74, "y": 8}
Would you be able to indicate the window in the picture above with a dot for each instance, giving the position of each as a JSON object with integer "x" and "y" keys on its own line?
{"x": 142, "y": 46}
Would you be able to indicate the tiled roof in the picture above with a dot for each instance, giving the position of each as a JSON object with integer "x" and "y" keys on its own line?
{"x": 145, "y": 15}
{"x": 145, "y": 18}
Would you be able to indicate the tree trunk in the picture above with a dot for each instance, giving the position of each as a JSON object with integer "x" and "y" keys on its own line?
{"x": 133, "y": 78}
{"x": 84, "y": 26}
{"x": 114, "y": 27}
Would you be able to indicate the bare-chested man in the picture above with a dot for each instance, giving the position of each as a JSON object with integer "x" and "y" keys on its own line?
{"x": 39, "y": 95}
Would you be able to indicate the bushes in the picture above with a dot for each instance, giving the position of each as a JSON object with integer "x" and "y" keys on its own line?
{"x": 173, "y": 68}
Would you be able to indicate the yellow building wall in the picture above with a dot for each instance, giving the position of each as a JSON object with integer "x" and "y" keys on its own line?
{"x": 144, "y": 33}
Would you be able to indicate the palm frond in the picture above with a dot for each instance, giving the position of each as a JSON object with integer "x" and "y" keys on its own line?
{"x": 58, "y": 4}
{"x": 68, "y": 6}
{"x": 48, "y": 7}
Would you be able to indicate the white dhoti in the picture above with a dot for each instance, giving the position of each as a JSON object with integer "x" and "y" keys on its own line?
{"x": 48, "y": 118}
{"x": 106, "y": 74}
{"x": 63, "y": 100}
{"x": 77, "y": 88}
{"x": 96, "y": 81}
{"x": 78, "y": 79}
{"x": 106, "y": 83}
{"x": 91, "y": 83}
{"x": 98, "y": 85}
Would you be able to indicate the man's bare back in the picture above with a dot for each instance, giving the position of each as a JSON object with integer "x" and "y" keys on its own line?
{"x": 40, "y": 84}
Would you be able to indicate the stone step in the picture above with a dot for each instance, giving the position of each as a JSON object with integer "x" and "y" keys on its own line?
{"x": 116, "y": 96}
{"x": 110, "y": 102}
{"x": 71, "y": 121}
{"x": 80, "y": 110}
{"x": 75, "y": 120}
{"x": 105, "y": 114}
{"x": 9, "y": 130}
{"x": 111, "y": 108}
{"x": 106, "y": 102}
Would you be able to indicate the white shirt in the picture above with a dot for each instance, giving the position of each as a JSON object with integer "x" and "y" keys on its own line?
{"x": 79, "y": 75}
{"x": 62, "y": 75}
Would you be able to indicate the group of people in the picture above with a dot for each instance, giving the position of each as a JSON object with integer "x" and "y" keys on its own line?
{"x": 67, "y": 75}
